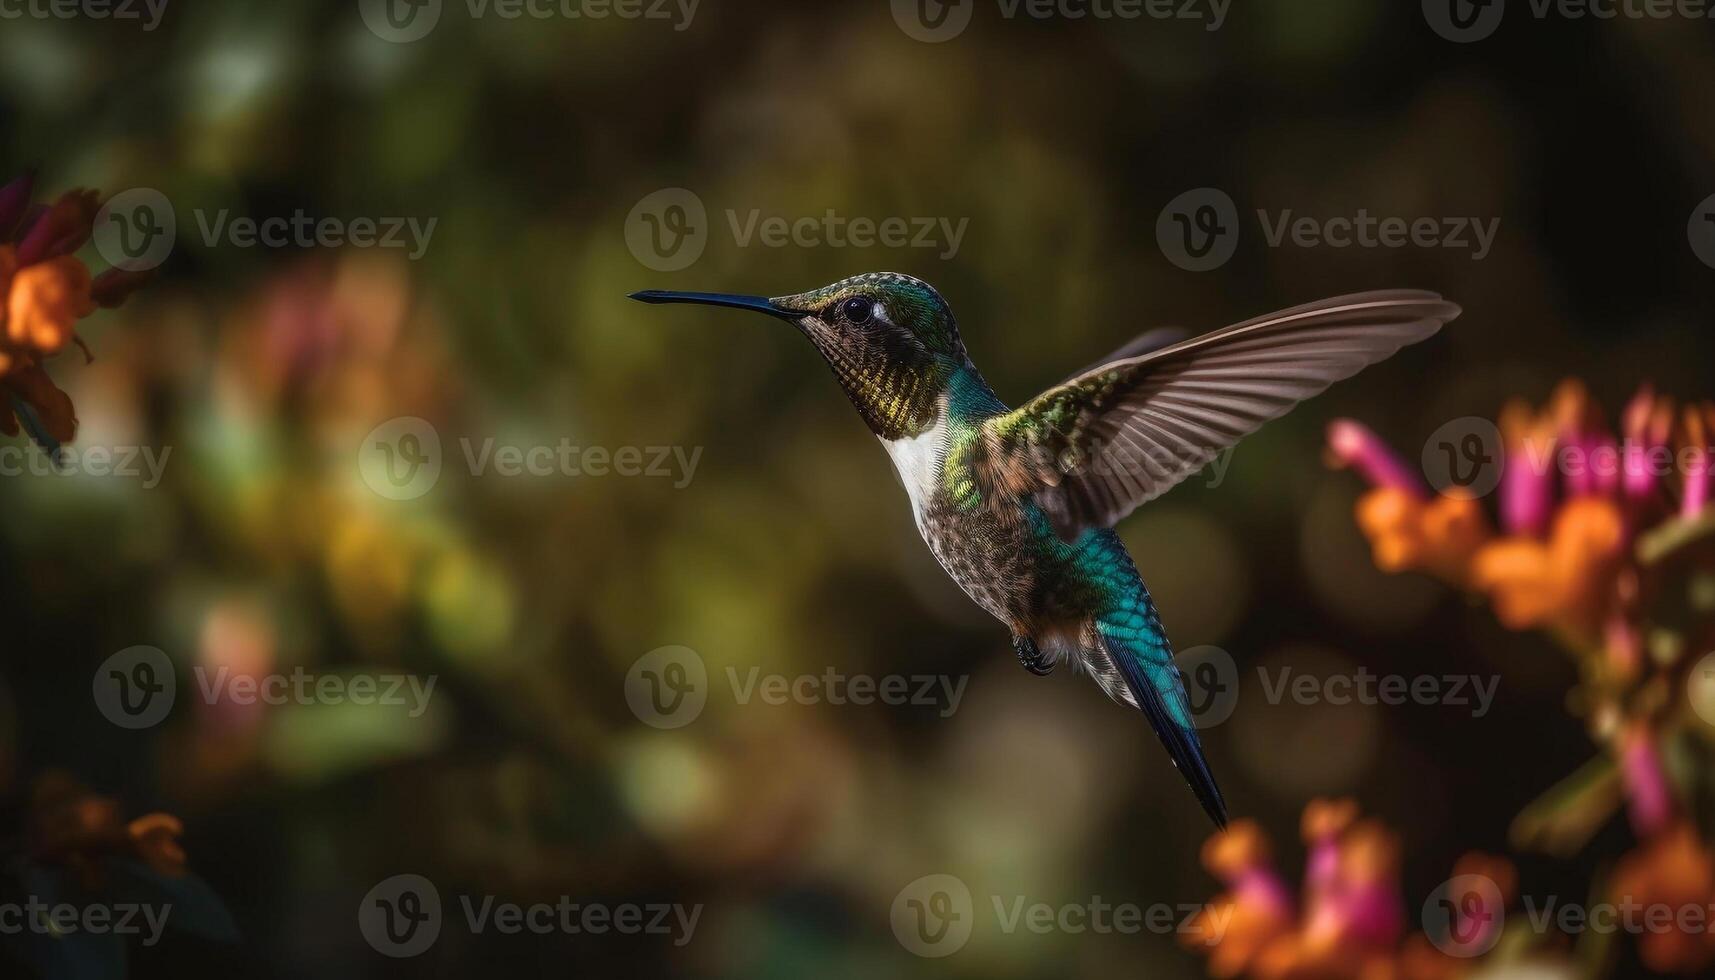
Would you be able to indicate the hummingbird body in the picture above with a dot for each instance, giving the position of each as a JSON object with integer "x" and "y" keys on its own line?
{"x": 1017, "y": 505}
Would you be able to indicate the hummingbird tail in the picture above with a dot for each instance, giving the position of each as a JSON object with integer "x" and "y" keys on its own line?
{"x": 1141, "y": 654}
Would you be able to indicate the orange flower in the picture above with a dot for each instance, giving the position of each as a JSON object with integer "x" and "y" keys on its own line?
{"x": 155, "y": 838}
{"x": 1352, "y": 920}
{"x": 1565, "y": 581}
{"x": 1255, "y": 912}
{"x": 1671, "y": 870}
{"x": 44, "y": 291}
{"x": 46, "y": 302}
{"x": 1439, "y": 536}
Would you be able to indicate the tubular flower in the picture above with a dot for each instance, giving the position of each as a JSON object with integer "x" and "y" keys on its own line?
{"x": 44, "y": 291}
{"x": 1572, "y": 498}
{"x": 1439, "y": 536}
{"x": 1563, "y": 581}
{"x": 1607, "y": 540}
{"x": 1256, "y": 909}
{"x": 1353, "y": 915}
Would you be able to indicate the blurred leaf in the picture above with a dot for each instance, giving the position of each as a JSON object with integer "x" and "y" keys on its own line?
{"x": 1563, "y": 819}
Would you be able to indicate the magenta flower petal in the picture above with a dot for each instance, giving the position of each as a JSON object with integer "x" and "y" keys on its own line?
{"x": 1649, "y": 801}
{"x": 1527, "y": 491}
{"x": 1696, "y": 484}
{"x": 1353, "y": 444}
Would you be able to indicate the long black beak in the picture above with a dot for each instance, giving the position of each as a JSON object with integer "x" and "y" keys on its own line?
{"x": 756, "y": 304}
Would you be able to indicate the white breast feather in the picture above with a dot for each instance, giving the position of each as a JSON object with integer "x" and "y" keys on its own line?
{"x": 919, "y": 459}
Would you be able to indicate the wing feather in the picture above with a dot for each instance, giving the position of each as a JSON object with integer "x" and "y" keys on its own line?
{"x": 1123, "y": 432}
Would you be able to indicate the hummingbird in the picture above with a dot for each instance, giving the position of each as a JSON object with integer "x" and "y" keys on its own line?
{"x": 1018, "y": 505}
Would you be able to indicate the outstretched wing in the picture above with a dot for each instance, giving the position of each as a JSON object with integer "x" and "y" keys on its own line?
{"x": 1093, "y": 449}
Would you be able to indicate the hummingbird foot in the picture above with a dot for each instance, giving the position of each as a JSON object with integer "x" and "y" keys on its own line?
{"x": 1031, "y": 657}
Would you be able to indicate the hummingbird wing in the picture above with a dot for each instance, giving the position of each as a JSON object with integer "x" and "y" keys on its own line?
{"x": 1095, "y": 448}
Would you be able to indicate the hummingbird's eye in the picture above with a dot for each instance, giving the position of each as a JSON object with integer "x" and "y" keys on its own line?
{"x": 858, "y": 310}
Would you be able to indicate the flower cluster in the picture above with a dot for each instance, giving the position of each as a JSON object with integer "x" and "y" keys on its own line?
{"x": 44, "y": 290}
{"x": 1573, "y": 497}
{"x": 1604, "y": 537}
{"x": 1351, "y": 920}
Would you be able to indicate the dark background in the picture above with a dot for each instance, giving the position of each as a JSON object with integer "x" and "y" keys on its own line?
{"x": 792, "y": 549}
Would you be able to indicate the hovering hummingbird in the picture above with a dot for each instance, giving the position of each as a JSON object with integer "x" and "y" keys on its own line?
{"x": 1017, "y": 504}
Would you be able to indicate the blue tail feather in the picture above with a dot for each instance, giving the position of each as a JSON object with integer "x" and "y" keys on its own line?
{"x": 1139, "y": 649}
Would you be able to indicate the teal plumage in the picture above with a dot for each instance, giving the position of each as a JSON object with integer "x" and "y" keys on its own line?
{"x": 1017, "y": 505}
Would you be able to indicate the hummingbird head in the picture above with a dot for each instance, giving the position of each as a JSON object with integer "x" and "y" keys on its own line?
{"x": 890, "y": 340}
